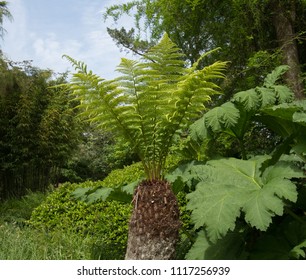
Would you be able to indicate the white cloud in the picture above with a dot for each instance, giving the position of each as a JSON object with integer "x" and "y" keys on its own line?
{"x": 15, "y": 39}
{"x": 49, "y": 50}
{"x": 85, "y": 37}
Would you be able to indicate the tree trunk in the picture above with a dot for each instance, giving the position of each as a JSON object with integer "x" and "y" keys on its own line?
{"x": 154, "y": 225}
{"x": 283, "y": 22}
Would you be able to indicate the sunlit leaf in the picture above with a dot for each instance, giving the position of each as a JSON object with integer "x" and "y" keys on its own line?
{"x": 231, "y": 186}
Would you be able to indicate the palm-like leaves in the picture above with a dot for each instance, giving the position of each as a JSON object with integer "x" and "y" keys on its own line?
{"x": 4, "y": 13}
{"x": 151, "y": 100}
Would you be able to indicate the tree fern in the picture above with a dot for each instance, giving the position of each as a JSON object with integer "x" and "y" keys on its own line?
{"x": 149, "y": 102}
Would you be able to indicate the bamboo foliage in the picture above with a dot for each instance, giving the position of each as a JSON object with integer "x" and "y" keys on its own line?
{"x": 150, "y": 101}
{"x": 38, "y": 128}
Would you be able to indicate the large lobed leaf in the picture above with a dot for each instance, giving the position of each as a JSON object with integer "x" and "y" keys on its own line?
{"x": 249, "y": 99}
{"x": 216, "y": 207}
{"x": 288, "y": 120}
{"x": 222, "y": 117}
{"x": 90, "y": 195}
{"x": 234, "y": 116}
{"x": 231, "y": 186}
{"x": 228, "y": 248}
{"x": 275, "y": 75}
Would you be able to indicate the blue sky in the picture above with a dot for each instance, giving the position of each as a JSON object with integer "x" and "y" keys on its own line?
{"x": 44, "y": 30}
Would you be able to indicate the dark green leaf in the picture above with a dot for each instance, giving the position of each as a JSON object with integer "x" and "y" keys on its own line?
{"x": 276, "y": 74}
{"x": 248, "y": 99}
{"x": 222, "y": 117}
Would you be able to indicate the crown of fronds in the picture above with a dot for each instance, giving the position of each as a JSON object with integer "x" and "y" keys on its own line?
{"x": 150, "y": 101}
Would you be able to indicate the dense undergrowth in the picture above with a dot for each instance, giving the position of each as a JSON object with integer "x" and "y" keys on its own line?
{"x": 54, "y": 225}
{"x": 259, "y": 195}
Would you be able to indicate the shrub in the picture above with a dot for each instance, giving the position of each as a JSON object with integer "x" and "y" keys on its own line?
{"x": 121, "y": 177}
{"x": 104, "y": 222}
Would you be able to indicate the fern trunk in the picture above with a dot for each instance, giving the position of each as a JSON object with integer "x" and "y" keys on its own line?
{"x": 154, "y": 225}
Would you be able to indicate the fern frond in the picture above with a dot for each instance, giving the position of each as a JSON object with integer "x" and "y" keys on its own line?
{"x": 150, "y": 101}
{"x": 196, "y": 63}
{"x": 101, "y": 101}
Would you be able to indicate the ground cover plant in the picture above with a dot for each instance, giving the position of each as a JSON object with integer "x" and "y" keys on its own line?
{"x": 54, "y": 225}
{"x": 30, "y": 244}
{"x": 19, "y": 241}
{"x": 104, "y": 223}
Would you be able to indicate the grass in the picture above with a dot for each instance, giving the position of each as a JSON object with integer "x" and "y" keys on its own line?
{"x": 29, "y": 244}
{"x": 18, "y": 241}
{"x": 19, "y": 210}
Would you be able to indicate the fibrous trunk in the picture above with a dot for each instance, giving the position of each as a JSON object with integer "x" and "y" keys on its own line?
{"x": 283, "y": 23}
{"x": 154, "y": 225}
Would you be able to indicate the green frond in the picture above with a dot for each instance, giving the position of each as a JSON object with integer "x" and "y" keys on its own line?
{"x": 100, "y": 100}
{"x": 150, "y": 101}
{"x": 166, "y": 53}
{"x": 196, "y": 63}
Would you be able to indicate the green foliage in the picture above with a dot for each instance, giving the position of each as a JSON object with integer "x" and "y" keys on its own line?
{"x": 232, "y": 185}
{"x": 244, "y": 29}
{"x": 97, "y": 154}
{"x": 120, "y": 183}
{"x": 235, "y": 199}
{"x": 285, "y": 240}
{"x": 249, "y": 208}
{"x": 105, "y": 223}
{"x": 35, "y": 244}
{"x": 125, "y": 176}
{"x": 38, "y": 128}
{"x": 102, "y": 222}
{"x": 228, "y": 248}
{"x": 18, "y": 241}
{"x": 286, "y": 119}
{"x": 236, "y": 116}
{"x": 151, "y": 100}
{"x": 19, "y": 210}
{"x": 4, "y": 13}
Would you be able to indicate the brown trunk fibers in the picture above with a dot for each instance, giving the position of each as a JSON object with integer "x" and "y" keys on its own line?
{"x": 154, "y": 225}
{"x": 284, "y": 25}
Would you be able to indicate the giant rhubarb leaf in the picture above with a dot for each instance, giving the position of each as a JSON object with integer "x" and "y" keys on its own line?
{"x": 232, "y": 185}
{"x": 222, "y": 117}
